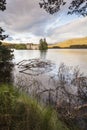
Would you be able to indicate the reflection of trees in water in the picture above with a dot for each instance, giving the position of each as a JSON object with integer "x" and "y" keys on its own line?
{"x": 43, "y": 54}
{"x": 6, "y": 72}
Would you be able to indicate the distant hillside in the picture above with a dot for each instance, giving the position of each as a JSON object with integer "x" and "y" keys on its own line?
{"x": 15, "y": 46}
{"x": 68, "y": 43}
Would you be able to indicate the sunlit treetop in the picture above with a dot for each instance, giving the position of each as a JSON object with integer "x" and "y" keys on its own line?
{"x": 76, "y": 6}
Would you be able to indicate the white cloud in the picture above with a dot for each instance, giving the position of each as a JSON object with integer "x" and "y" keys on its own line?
{"x": 74, "y": 29}
{"x": 24, "y": 21}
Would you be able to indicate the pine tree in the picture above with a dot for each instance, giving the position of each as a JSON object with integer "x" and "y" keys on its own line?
{"x": 43, "y": 44}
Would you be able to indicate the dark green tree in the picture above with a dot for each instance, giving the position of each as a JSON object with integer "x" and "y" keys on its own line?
{"x": 2, "y": 5}
{"x": 76, "y": 6}
{"x": 5, "y": 53}
{"x": 43, "y": 44}
{"x": 2, "y": 8}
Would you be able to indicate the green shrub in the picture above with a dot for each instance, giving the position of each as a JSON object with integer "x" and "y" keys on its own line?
{"x": 19, "y": 112}
{"x": 5, "y": 54}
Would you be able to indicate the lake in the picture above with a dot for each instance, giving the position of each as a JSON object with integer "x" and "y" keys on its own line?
{"x": 37, "y": 73}
{"x": 70, "y": 57}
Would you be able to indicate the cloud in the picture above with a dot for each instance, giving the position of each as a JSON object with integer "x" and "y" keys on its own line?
{"x": 74, "y": 29}
{"x": 24, "y": 21}
{"x": 24, "y": 15}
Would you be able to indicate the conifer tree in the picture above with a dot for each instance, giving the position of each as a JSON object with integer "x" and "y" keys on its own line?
{"x": 43, "y": 44}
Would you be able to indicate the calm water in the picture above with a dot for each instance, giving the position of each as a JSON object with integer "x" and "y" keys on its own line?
{"x": 41, "y": 85}
{"x": 70, "y": 57}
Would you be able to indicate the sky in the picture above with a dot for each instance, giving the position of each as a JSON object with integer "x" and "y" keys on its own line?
{"x": 25, "y": 22}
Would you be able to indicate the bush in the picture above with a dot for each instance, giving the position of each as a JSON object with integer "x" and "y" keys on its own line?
{"x": 5, "y": 54}
{"x": 19, "y": 112}
{"x": 20, "y": 46}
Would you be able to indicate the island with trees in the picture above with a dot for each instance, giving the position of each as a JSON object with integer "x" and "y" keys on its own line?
{"x": 62, "y": 110}
{"x": 43, "y": 44}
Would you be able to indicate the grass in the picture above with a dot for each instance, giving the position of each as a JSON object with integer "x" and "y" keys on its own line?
{"x": 19, "y": 112}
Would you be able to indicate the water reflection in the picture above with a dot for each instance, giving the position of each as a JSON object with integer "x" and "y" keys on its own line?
{"x": 70, "y": 57}
{"x": 43, "y": 54}
{"x": 6, "y": 72}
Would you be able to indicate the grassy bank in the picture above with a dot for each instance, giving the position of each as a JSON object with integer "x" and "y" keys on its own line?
{"x": 19, "y": 112}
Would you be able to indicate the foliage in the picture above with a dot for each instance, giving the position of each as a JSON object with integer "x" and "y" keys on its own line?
{"x": 14, "y": 46}
{"x": 19, "y": 112}
{"x": 5, "y": 53}
{"x": 9, "y": 45}
{"x": 2, "y": 8}
{"x": 20, "y": 46}
{"x": 56, "y": 47}
{"x": 6, "y": 72}
{"x": 43, "y": 44}
{"x": 78, "y": 46}
{"x": 76, "y": 6}
{"x": 51, "y": 6}
{"x": 8, "y": 97}
{"x": 2, "y": 37}
{"x": 2, "y": 5}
